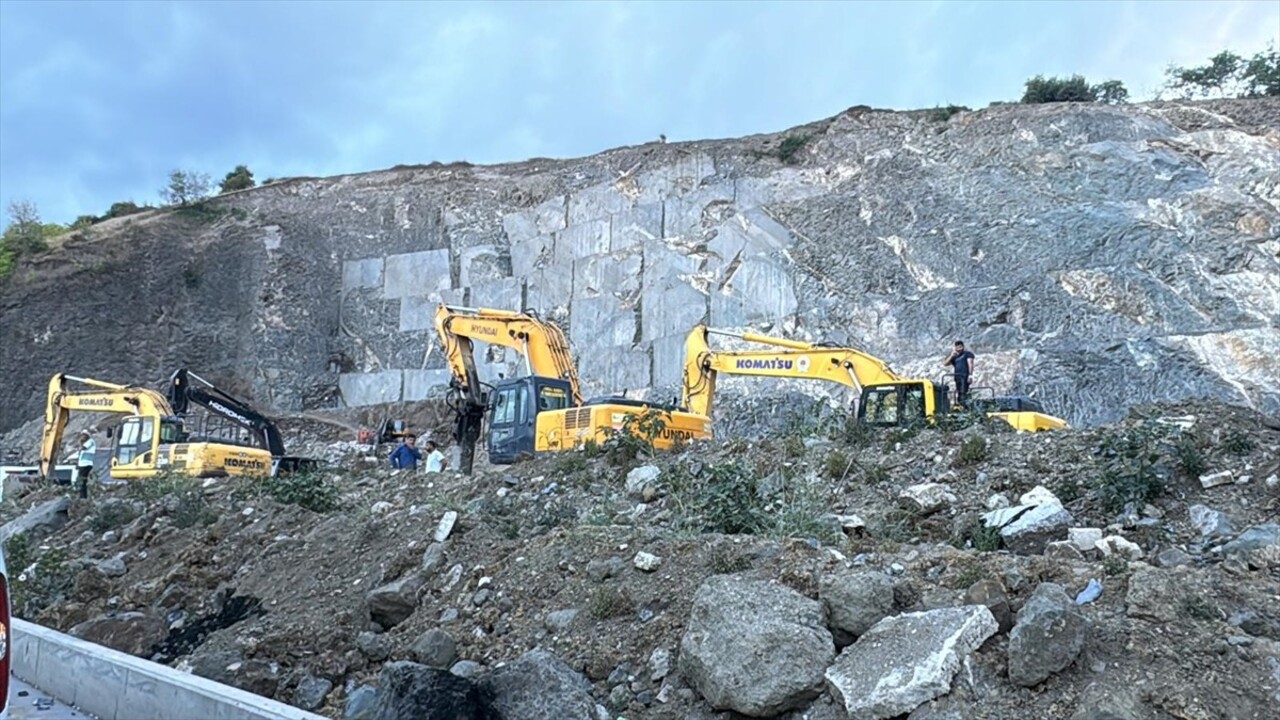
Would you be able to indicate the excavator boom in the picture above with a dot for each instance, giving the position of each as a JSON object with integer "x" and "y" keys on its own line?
{"x": 100, "y": 396}
{"x": 542, "y": 344}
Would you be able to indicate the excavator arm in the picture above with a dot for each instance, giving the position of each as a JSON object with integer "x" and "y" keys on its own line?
{"x": 792, "y": 359}
{"x": 542, "y": 345}
{"x": 185, "y": 388}
{"x": 99, "y": 396}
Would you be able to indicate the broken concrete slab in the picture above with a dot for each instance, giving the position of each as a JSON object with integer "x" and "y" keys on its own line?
{"x": 907, "y": 660}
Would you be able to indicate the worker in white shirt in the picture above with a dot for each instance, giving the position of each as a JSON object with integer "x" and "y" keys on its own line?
{"x": 435, "y": 458}
{"x": 84, "y": 461}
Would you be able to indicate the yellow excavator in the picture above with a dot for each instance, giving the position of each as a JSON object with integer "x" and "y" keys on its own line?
{"x": 886, "y": 399}
{"x": 150, "y": 441}
{"x": 542, "y": 411}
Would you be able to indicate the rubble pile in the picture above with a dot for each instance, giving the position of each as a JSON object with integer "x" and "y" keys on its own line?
{"x": 819, "y": 572}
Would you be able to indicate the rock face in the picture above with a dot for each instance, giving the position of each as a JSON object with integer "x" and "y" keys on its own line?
{"x": 907, "y": 660}
{"x": 854, "y": 602}
{"x": 1048, "y": 636}
{"x": 538, "y": 685}
{"x": 409, "y": 690}
{"x": 753, "y": 647}
{"x": 1095, "y": 256}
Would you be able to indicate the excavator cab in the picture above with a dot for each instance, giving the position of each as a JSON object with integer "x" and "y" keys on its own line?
{"x": 136, "y": 439}
{"x": 514, "y": 406}
{"x": 902, "y": 403}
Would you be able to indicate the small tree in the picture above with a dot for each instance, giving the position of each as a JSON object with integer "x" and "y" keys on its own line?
{"x": 120, "y": 209}
{"x": 1111, "y": 92}
{"x": 25, "y": 234}
{"x": 239, "y": 179}
{"x": 1058, "y": 89}
{"x": 1262, "y": 74}
{"x": 185, "y": 187}
{"x": 1218, "y": 78}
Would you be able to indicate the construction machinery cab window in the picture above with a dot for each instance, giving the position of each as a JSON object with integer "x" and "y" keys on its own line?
{"x": 893, "y": 404}
{"x": 138, "y": 433}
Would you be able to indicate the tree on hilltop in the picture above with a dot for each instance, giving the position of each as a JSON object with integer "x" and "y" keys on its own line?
{"x": 239, "y": 179}
{"x": 186, "y": 187}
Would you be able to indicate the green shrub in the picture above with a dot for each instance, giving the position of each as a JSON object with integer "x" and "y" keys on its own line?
{"x": 1131, "y": 466}
{"x": 1238, "y": 443}
{"x": 836, "y": 465}
{"x": 793, "y": 446}
{"x": 943, "y": 114}
{"x": 306, "y": 489}
{"x": 1040, "y": 89}
{"x": 790, "y": 146}
{"x": 37, "y": 580}
{"x": 973, "y": 451}
{"x": 1190, "y": 459}
{"x": 238, "y": 179}
{"x": 609, "y": 601}
{"x": 984, "y": 539}
{"x": 111, "y": 515}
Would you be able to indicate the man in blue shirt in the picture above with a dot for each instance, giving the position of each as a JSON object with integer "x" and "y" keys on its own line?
{"x": 406, "y": 455}
{"x": 962, "y": 361}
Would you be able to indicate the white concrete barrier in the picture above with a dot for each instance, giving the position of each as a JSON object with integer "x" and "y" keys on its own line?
{"x": 112, "y": 685}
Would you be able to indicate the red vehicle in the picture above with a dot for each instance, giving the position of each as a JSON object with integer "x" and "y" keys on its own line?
{"x": 6, "y": 637}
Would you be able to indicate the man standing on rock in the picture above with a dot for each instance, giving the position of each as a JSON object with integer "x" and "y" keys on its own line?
{"x": 405, "y": 455}
{"x": 962, "y": 361}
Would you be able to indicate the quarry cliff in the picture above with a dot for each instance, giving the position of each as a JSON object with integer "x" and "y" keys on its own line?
{"x": 1093, "y": 256}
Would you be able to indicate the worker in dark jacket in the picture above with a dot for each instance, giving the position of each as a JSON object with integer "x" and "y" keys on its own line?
{"x": 962, "y": 361}
{"x": 406, "y": 455}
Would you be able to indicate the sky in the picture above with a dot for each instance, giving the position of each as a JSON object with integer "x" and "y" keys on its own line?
{"x": 100, "y": 100}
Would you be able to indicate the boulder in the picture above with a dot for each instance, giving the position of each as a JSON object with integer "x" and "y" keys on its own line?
{"x": 1032, "y": 530}
{"x": 642, "y": 478}
{"x": 1085, "y": 539}
{"x": 374, "y": 646}
{"x": 435, "y": 648}
{"x": 1155, "y": 594}
{"x": 991, "y": 595}
{"x": 1048, "y": 636}
{"x": 1063, "y": 550}
{"x": 1116, "y": 545}
{"x": 1212, "y": 524}
{"x": 112, "y": 566}
{"x": 560, "y": 620}
{"x": 926, "y": 498}
{"x": 433, "y": 558}
{"x": 754, "y": 647}
{"x": 135, "y": 633}
{"x": 45, "y": 518}
{"x": 394, "y": 602}
{"x": 410, "y": 690}
{"x": 906, "y": 660}
{"x": 311, "y": 692}
{"x": 1253, "y": 538}
{"x": 360, "y": 703}
{"x": 854, "y": 602}
{"x": 536, "y": 686}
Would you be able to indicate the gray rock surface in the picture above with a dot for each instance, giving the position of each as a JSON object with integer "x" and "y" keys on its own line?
{"x": 754, "y": 647}
{"x": 1049, "y": 635}
{"x": 39, "y": 521}
{"x": 991, "y": 595}
{"x": 1212, "y": 524}
{"x": 538, "y": 685}
{"x": 360, "y": 703}
{"x": 906, "y": 660}
{"x": 1164, "y": 290}
{"x": 854, "y": 602}
{"x": 374, "y": 646}
{"x": 560, "y": 620}
{"x": 410, "y": 690}
{"x": 135, "y": 633}
{"x": 1253, "y": 538}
